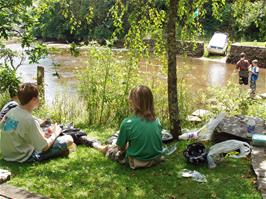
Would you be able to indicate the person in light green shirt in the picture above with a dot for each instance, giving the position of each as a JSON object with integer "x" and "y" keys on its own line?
{"x": 22, "y": 139}
{"x": 139, "y": 140}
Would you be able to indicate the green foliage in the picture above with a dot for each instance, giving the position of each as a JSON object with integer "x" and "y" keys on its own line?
{"x": 250, "y": 18}
{"x": 69, "y": 21}
{"x": 232, "y": 98}
{"x": 13, "y": 12}
{"x": 106, "y": 81}
{"x": 105, "y": 84}
{"x": 37, "y": 52}
{"x": 16, "y": 18}
{"x": 242, "y": 19}
{"x": 4, "y": 98}
{"x": 8, "y": 79}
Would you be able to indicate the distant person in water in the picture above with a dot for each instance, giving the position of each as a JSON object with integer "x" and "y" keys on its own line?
{"x": 254, "y": 75}
{"x": 11, "y": 104}
{"x": 242, "y": 66}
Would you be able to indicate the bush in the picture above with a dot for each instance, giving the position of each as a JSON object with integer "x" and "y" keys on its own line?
{"x": 65, "y": 108}
{"x": 4, "y": 98}
{"x": 9, "y": 80}
{"x": 105, "y": 84}
{"x": 106, "y": 81}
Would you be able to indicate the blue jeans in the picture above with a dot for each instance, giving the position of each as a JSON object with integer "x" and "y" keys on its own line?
{"x": 59, "y": 148}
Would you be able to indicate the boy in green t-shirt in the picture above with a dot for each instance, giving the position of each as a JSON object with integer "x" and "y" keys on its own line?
{"x": 140, "y": 140}
{"x": 22, "y": 139}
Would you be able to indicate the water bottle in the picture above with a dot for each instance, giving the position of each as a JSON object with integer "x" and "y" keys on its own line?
{"x": 189, "y": 135}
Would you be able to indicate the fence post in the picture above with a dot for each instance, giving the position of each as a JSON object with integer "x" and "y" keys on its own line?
{"x": 40, "y": 83}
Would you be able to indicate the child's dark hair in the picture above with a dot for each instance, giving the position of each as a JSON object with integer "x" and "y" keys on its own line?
{"x": 141, "y": 100}
{"x": 242, "y": 55}
{"x": 26, "y": 92}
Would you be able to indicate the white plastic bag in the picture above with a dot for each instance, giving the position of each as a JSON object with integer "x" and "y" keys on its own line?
{"x": 207, "y": 130}
{"x": 217, "y": 150}
{"x": 195, "y": 175}
{"x": 168, "y": 150}
{"x": 193, "y": 134}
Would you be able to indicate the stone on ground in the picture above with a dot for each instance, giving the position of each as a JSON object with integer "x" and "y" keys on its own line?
{"x": 263, "y": 96}
{"x": 192, "y": 118}
{"x": 201, "y": 113}
{"x": 9, "y": 191}
{"x": 236, "y": 127}
{"x": 4, "y": 176}
{"x": 258, "y": 158}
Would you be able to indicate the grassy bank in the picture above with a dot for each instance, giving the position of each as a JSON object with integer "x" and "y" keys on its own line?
{"x": 88, "y": 174}
{"x": 256, "y": 44}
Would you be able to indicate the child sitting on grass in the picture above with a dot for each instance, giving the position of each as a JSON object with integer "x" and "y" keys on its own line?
{"x": 22, "y": 139}
{"x": 139, "y": 141}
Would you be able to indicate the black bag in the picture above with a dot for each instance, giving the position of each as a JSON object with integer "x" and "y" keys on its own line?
{"x": 196, "y": 153}
{"x": 75, "y": 133}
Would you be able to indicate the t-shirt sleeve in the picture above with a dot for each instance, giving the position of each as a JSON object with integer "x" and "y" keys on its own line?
{"x": 123, "y": 135}
{"x": 35, "y": 136}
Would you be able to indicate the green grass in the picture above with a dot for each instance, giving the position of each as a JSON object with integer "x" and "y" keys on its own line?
{"x": 257, "y": 44}
{"x": 88, "y": 174}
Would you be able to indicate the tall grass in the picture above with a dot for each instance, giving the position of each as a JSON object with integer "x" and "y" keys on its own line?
{"x": 65, "y": 108}
{"x": 108, "y": 78}
{"x": 104, "y": 84}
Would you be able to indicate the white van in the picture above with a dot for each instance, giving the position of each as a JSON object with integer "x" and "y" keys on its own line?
{"x": 218, "y": 43}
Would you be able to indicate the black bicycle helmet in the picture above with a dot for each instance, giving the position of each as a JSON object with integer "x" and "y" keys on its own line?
{"x": 196, "y": 153}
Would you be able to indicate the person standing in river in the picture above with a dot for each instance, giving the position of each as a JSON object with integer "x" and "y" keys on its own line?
{"x": 242, "y": 66}
{"x": 254, "y": 74}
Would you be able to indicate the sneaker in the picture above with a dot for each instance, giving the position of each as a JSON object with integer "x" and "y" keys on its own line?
{"x": 87, "y": 141}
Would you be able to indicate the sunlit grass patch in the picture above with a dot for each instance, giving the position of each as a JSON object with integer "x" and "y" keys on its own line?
{"x": 88, "y": 174}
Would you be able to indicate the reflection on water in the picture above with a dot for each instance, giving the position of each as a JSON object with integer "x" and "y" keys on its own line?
{"x": 204, "y": 73}
{"x": 216, "y": 75}
{"x": 199, "y": 73}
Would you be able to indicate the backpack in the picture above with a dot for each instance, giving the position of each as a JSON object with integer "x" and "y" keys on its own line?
{"x": 196, "y": 153}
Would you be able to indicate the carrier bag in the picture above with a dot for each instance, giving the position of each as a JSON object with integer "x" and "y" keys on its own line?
{"x": 217, "y": 151}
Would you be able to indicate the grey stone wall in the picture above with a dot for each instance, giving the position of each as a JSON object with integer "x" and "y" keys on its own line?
{"x": 252, "y": 53}
{"x": 193, "y": 49}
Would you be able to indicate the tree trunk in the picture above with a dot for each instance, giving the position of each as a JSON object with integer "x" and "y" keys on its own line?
{"x": 175, "y": 128}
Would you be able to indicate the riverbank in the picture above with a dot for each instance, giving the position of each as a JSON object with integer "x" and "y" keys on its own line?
{"x": 198, "y": 73}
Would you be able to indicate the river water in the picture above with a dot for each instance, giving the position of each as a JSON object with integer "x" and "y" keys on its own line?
{"x": 200, "y": 73}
